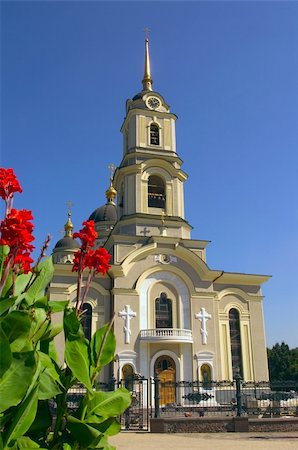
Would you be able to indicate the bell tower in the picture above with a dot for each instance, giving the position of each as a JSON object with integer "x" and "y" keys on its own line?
{"x": 149, "y": 180}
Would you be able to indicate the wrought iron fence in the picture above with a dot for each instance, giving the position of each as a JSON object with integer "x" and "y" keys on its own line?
{"x": 153, "y": 398}
{"x": 230, "y": 398}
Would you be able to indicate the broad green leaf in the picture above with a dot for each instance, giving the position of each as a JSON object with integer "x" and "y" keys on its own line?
{"x": 108, "y": 350}
{"x": 40, "y": 324}
{"x": 77, "y": 359}
{"x": 45, "y": 274}
{"x": 22, "y": 419}
{"x": 48, "y": 347}
{"x": 82, "y": 432}
{"x": 21, "y": 283}
{"x": 26, "y": 442}
{"x": 49, "y": 383}
{"x": 109, "y": 427}
{"x": 52, "y": 331}
{"x": 72, "y": 324}
{"x": 109, "y": 404}
{"x": 16, "y": 325}
{"x": 5, "y": 353}
{"x": 66, "y": 447}
{"x": 58, "y": 305}
{"x": 5, "y": 304}
{"x": 7, "y": 289}
{"x": 16, "y": 381}
{"x": 42, "y": 302}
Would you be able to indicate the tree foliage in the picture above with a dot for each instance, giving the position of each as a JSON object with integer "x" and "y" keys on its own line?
{"x": 283, "y": 362}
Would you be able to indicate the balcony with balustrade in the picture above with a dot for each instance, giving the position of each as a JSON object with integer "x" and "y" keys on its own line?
{"x": 177, "y": 335}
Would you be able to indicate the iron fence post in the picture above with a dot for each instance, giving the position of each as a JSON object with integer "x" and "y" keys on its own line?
{"x": 156, "y": 396}
{"x": 238, "y": 394}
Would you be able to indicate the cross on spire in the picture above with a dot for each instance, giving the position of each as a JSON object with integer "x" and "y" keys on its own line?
{"x": 69, "y": 205}
{"x": 112, "y": 169}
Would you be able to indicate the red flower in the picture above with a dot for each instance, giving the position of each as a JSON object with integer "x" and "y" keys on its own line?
{"x": 87, "y": 235}
{"x": 8, "y": 183}
{"x": 98, "y": 260}
{"x": 16, "y": 232}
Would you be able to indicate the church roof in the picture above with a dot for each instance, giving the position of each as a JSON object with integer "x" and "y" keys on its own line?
{"x": 67, "y": 243}
{"x": 107, "y": 212}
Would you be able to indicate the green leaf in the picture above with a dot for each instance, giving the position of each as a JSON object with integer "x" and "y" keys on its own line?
{"x": 49, "y": 384}
{"x": 45, "y": 274}
{"x": 108, "y": 350}
{"x": 21, "y": 283}
{"x": 109, "y": 404}
{"x": 58, "y": 306}
{"x": 26, "y": 442}
{"x": 42, "y": 302}
{"x": 22, "y": 419}
{"x": 104, "y": 445}
{"x": 40, "y": 324}
{"x": 109, "y": 427}
{"x": 82, "y": 432}
{"x": 5, "y": 304}
{"x": 16, "y": 325}
{"x": 77, "y": 359}
{"x": 72, "y": 324}
{"x": 48, "y": 347}
{"x": 16, "y": 381}
{"x": 52, "y": 331}
{"x": 5, "y": 353}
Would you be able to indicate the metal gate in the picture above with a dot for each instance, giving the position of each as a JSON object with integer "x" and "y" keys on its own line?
{"x": 136, "y": 417}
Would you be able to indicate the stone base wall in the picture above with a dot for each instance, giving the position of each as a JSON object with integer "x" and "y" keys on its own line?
{"x": 219, "y": 424}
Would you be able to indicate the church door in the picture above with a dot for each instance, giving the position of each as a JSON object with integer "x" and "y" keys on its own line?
{"x": 166, "y": 369}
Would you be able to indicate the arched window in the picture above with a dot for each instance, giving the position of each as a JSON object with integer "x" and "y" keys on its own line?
{"x": 128, "y": 376}
{"x": 163, "y": 312}
{"x": 235, "y": 338}
{"x": 154, "y": 134}
{"x": 87, "y": 320}
{"x": 156, "y": 192}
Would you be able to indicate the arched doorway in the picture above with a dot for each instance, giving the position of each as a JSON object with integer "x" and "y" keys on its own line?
{"x": 165, "y": 367}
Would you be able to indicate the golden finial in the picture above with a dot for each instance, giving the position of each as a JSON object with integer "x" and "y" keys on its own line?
{"x": 147, "y": 81}
{"x": 111, "y": 192}
{"x": 68, "y": 227}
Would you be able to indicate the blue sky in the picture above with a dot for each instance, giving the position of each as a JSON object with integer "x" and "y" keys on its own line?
{"x": 229, "y": 70}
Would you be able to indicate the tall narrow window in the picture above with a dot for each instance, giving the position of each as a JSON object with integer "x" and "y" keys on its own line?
{"x": 87, "y": 320}
{"x": 163, "y": 312}
{"x": 156, "y": 192}
{"x": 154, "y": 134}
{"x": 235, "y": 338}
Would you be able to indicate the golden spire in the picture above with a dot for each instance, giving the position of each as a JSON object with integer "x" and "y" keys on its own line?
{"x": 111, "y": 193}
{"x": 68, "y": 227}
{"x": 147, "y": 81}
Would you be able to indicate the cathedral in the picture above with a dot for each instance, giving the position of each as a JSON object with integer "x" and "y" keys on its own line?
{"x": 175, "y": 316}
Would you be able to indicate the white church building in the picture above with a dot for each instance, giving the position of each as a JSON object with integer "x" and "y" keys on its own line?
{"x": 174, "y": 314}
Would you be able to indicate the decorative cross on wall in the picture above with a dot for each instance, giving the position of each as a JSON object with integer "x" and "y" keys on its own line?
{"x": 145, "y": 231}
{"x": 203, "y": 316}
{"x": 127, "y": 315}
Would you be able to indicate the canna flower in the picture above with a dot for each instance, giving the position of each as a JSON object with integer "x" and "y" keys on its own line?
{"x": 87, "y": 235}
{"x": 9, "y": 183}
{"x": 16, "y": 232}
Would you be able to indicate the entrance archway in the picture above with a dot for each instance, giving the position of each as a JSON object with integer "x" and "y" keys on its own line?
{"x": 165, "y": 367}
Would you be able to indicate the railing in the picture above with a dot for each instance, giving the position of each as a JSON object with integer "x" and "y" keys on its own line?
{"x": 229, "y": 398}
{"x": 173, "y": 334}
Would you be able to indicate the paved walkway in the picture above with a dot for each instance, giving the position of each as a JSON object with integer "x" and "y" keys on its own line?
{"x": 202, "y": 441}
